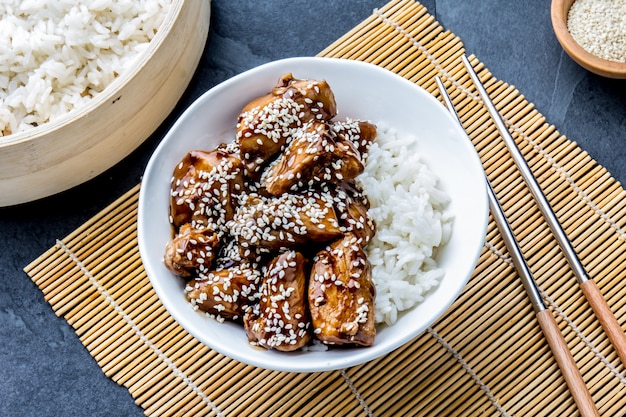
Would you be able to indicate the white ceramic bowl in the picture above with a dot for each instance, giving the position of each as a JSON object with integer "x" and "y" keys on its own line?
{"x": 362, "y": 91}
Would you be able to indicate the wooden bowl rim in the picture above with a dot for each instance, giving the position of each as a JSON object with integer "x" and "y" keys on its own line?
{"x": 108, "y": 94}
{"x": 612, "y": 69}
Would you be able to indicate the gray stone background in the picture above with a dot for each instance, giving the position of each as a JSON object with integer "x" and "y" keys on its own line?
{"x": 44, "y": 369}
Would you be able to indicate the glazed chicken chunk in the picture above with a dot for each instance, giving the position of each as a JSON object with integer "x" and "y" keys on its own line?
{"x": 191, "y": 248}
{"x": 203, "y": 189}
{"x": 360, "y": 132}
{"x": 285, "y": 222}
{"x": 281, "y": 321}
{"x": 267, "y": 123}
{"x": 351, "y": 206}
{"x": 225, "y": 293}
{"x": 341, "y": 295}
{"x": 316, "y": 154}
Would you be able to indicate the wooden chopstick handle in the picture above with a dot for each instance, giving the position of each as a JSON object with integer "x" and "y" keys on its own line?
{"x": 566, "y": 363}
{"x": 606, "y": 317}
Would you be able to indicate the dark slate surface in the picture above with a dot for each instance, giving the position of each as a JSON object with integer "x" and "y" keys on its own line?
{"x": 44, "y": 369}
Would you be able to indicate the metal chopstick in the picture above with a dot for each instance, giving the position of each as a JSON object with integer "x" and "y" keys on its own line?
{"x": 588, "y": 286}
{"x": 546, "y": 320}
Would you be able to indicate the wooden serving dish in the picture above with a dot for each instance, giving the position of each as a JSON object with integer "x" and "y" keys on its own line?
{"x": 64, "y": 153}
{"x": 610, "y": 69}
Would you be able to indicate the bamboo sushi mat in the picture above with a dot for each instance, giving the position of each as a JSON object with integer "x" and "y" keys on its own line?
{"x": 485, "y": 356}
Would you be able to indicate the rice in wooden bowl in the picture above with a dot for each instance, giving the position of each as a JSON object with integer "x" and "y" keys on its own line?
{"x": 427, "y": 195}
{"x": 83, "y": 84}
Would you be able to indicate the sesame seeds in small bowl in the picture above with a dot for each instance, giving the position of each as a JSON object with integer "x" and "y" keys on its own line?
{"x": 260, "y": 280}
{"x": 593, "y": 34}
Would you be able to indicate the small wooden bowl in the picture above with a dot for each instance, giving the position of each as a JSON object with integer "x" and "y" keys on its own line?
{"x": 61, "y": 154}
{"x": 610, "y": 69}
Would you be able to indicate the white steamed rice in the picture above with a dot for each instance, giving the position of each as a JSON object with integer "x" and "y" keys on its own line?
{"x": 57, "y": 55}
{"x": 409, "y": 208}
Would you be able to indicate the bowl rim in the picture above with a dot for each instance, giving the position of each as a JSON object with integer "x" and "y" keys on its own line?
{"x": 357, "y": 355}
{"x": 108, "y": 93}
{"x": 559, "y": 10}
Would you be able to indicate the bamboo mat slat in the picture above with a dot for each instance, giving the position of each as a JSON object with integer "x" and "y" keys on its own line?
{"x": 485, "y": 356}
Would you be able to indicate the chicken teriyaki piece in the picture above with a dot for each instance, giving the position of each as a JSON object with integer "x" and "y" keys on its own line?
{"x": 351, "y": 206}
{"x": 341, "y": 295}
{"x": 360, "y": 132}
{"x": 266, "y": 123}
{"x": 280, "y": 320}
{"x": 274, "y": 224}
{"x": 225, "y": 293}
{"x": 315, "y": 155}
{"x": 204, "y": 188}
{"x": 190, "y": 249}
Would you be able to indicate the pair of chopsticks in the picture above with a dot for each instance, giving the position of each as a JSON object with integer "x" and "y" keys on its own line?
{"x": 546, "y": 320}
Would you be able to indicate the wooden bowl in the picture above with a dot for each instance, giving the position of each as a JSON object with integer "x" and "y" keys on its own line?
{"x": 610, "y": 69}
{"x": 61, "y": 154}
